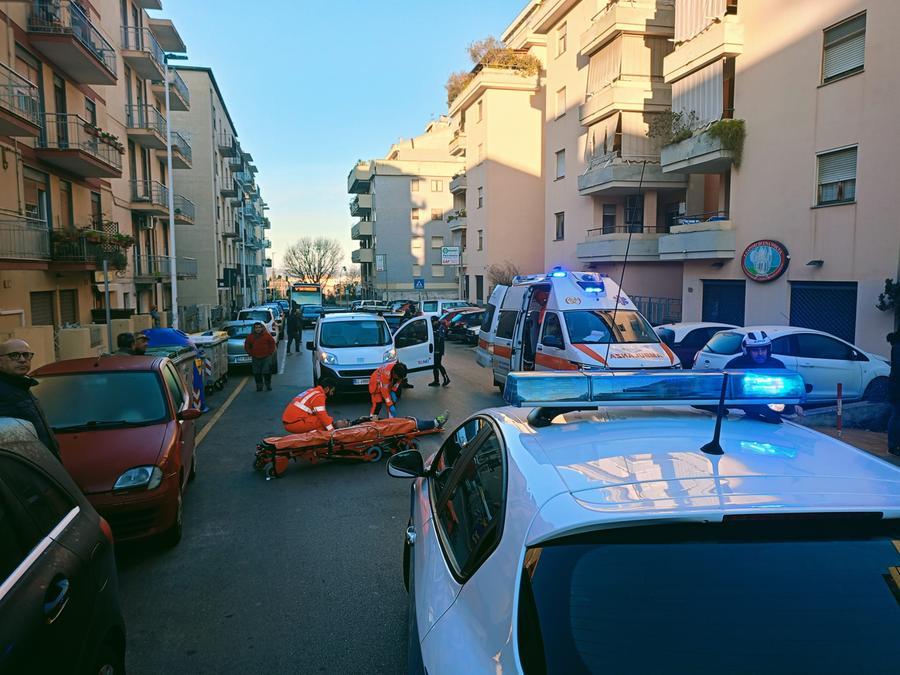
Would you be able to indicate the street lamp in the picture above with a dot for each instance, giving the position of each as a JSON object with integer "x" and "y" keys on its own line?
{"x": 344, "y": 280}
{"x": 173, "y": 272}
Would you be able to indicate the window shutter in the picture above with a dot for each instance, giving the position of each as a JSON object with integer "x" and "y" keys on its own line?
{"x": 837, "y": 166}
{"x": 845, "y": 47}
{"x": 68, "y": 306}
{"x": 42, "y": 308}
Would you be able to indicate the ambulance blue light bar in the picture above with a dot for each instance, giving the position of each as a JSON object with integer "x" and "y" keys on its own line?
{"x": 629, "y": 388}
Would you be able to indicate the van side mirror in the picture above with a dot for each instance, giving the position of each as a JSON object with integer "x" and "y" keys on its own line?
{"x": 406, "y": 464}
{"x": 310, "y": 345}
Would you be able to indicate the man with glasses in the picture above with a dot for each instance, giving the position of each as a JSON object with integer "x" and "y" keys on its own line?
{"x": 16, "y": 399}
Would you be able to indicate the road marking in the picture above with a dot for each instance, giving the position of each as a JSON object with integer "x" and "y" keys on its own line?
{"x": 219, "y": 413}
{"x": 283, "y": 359}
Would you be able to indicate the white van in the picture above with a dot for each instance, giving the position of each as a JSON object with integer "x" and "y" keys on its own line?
{"x": 349, "y": 347}
{"x": 567, "y": 321}
{"x": 440, "y": 307}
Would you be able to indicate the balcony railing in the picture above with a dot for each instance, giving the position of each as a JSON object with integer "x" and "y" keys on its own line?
{"x": 135, "y": 39}
{"x": 706, "y": 217}
{"x": 179, "y": 86}
{"x": 153, "y": 267}
{"x": 24, "y": 238}
{"x": 635, "y": 228}
{"x": 150, "y": 192}
{"x": 181, "y": 144}
{"x": 255, "y": 270}
{"x": 73, "y": 132}
{"x": 61, "y": 17}
{"x": 145, "y": 117}
{"x": 184, "y": 209}
{"x": 19, "y": 95}
{"x": 187, "y": 268}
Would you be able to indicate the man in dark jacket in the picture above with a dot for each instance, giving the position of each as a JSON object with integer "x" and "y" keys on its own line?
{"x": 894, "y": 395}
{"x": 16, "y": 399}
{"x": 440, "y": 337}
{"x": 294, "y": 329}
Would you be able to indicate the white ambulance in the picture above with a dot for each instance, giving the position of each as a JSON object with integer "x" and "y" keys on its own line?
{"x": 566, "y": 320}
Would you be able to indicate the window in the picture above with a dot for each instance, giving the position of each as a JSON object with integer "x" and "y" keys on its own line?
{"x": 416, "y": 271}
{"x": 782, "y": 346}
{"x": 66, "y": 216}
{"x": 609, "y": 218}
{"x": 44, "y": 501}
{"x": 479, "y": 107}
{"x": 844, "y": 48}
{"x": 597, "y": 327}
{"x": 560, "y": 225}
{"x": 43, "y": 308}
{"x": 552, "y": 336}
{"x": 96, "y": 209}
{"x": 479, "y": 288}
{"x": 560, "y": 164}
{"x": 437, "y": 186}
{"x": 174, "y": 386}
{"x": 812, "y": 346}
{"x": 506, "y": 323}
{"x": 414, "y": 185}
{"x": 415, "y": 214}
{"x": 479, "y": 155}
{"x": 480, "y": 197}
{"x": 725, "y": 343}
{"x": 837, "y": 177}
{"x": 437, "y": 242}
{"x": 68, "y": 306}
{"x": 414, "y": 333}
{"x": 634, "y": 212}
{"x": 90, "y": 111}
{"x": 37, "y": 201}
{"x": 437, "y": 214}
{"x": 480, "y": 240}
{"x": 561, "y": 102}
{"x": 453, "y": 448}
{"x": 417, "y": 243}
{"x": 354, "y": 334}
{"x": 561, "y": 41}
{"x": 437, "y": 270}
{"x": 429, "y": 306}
{"x": 488, "y": 316}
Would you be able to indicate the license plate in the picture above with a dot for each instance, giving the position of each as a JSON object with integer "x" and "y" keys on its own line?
{"x": 360, "y": 380}
{"x": 243, "y": 359}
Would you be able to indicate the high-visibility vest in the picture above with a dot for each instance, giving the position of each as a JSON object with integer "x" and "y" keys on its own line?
{"x": 380, "y": 386}
{"x": 308, "y": 407}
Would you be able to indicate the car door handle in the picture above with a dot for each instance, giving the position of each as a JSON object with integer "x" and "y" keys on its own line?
{"x": 411, "y": 535}
{"x": 539, "y": 348}
{"x": 55, "y": 604}
{"x": 431, "y": 348}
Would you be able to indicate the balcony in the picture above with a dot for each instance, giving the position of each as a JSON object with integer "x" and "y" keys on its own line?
{"x": 62, "y": 32}
{"x": 184, "y": 210}
{"x": 705, "y": 236}
{"x": 244, "y": 181}
{"x": 79, "y": 250}
{"x": 182, "y": 155}
{"x": 722, "y": 38}
{"x": 267, "y": 262}
{"x": 266, "y": 224}
{"x": 149, "y": 4}
{"x": 19, "y": 105}
{"x": 363, "y": 255}
{"x": 612, "y": 175}
{"x": 250, "y": 213}
{"x": 179, "y": 95}
{"x": 152, "y": 269}
{"x": 23, "y": 238}
{"x": 226, "y": 144}
{"x": 701, "y": 153}
{"x": 647, "y": 17}
{"x": 610, "y": 244}
{"x": 363, "y": 228}
{"x": 456, "y": 220}
{"x": 146, "y": 126}
{"x": 236, "y": 162}
{"x": 234, "y": 232}
{"x": 187, "y": 268}
{"x": 252, "y": 243}
{"x": 228, "y": 188}
{"x": 266, "y": 243}
{"x": 150, "y": 197}
{"x": 641, "y": 95}
{"x": 361, "y": 206}
{"x": 458, "y": 184}
{"x": 166, "y": 34}
{"x": 457, "y": 146}
{"x": 359, "y": 179}
{"x": 71, "y": 143}
{"x": 141, "y": 51}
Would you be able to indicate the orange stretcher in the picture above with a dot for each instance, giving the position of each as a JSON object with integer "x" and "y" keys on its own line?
{"x": 366, "y": 441}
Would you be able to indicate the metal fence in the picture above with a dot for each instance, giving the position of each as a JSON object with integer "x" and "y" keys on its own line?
{"x": 72, "y": 132}
{"x": 825, "y": 306}
{"x": 658, "y": 310}
{"x": 142, "y": 40}
{"x": 182, "y": 145}
{"x": 19, "y": 95}
{"x": 184, "y": 207}
{"x": 23, "y": 238}
{"x": 150, "y": 192}
{"x": 67, "y": 18}
{"x": 179, "y": 86}
{"x": 145, "y": 117}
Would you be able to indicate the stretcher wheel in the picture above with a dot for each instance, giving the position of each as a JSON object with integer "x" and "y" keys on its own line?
{"x": 401, "y": 446}
{"x": 374, "y": 453}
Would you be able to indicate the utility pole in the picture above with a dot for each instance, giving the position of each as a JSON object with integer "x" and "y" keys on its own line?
{"x": 173, "y": 272}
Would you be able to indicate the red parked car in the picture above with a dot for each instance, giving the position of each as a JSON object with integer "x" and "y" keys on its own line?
{"x": 126, "y": 434}
{"x": 447, "y": 317}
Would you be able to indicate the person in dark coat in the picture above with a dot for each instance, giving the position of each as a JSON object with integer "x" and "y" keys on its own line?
{"x": 294, "y": 329}
{"x": 16, "y": 399}
{"x": 131, "y": 344}
{"x": 440, "y": 338}
{"x": 893, "y": 394}
{"x": 261, "y": 346}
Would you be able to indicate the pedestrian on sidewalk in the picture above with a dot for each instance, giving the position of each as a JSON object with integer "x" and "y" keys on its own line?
{"x": 261, "y": 346}
{"x": 16, "y": 399}
{"x": 294, "y": 329}
{"x": 893, "y": 394}
{"x": 440, "y": 339}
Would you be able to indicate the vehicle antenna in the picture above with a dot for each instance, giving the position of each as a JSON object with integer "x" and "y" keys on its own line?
{"x": 714, "y": 447}
{"x": 625, "y": 262}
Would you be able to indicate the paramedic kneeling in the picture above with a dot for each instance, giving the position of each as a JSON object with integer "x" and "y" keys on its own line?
{"x": 307, "y": 411}
{"x": 384, "y": 387}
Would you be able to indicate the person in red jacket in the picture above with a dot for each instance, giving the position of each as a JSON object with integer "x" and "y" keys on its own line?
{"x": 307, "y": 411}
{"x": 260, "y": 345}
{"x": 384, "y": 387}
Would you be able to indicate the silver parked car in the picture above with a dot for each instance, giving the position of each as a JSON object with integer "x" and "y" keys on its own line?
{"x": 237, "y": 333}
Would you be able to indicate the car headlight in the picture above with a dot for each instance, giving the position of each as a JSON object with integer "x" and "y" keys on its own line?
{"x": 328, "y": 358}
{"x": 140, "y": 476}
{"x": 389, "y": 355}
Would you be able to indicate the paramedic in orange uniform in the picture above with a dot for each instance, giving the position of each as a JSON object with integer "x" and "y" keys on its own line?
{"x": 384, "y": 387}
{"x": 307, "y": 411}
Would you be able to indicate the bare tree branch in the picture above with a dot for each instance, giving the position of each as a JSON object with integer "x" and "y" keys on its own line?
{"x": 313, "y": 259}
{"x": 501, "y": 274}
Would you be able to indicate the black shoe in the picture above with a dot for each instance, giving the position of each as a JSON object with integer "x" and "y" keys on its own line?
{"x": 434, "y": 384}
{"x": 446, "y": 382}
{"x": 259, "y": 387}
{"x": 268, "y": 386}
{"x": 407, "y": 385}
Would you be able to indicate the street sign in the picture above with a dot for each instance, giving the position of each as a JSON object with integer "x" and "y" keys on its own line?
{"x": 450, "y": 255}
{"x": 379, "y": 262}
{"x": 419, "y": 284}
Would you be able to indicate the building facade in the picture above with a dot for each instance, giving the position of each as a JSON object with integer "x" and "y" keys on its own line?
{"x": 403, "y": 203}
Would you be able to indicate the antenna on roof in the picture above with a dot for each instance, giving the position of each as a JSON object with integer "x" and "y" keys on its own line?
{"x": 714, "y": 447}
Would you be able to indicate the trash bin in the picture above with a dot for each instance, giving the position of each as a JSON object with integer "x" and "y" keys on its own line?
{"x": 213, "y": 346}
{"x": 178, "y": 347}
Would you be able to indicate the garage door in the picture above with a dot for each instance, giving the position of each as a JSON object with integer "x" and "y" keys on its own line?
{"x": 825, "y": 306}
{"x": 42, "y": 308}
{"x": 68, "y": 306}
{"x": 723, "y": 301}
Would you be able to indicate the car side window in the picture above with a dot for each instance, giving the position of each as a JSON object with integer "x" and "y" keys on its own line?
{"x": 174, "y": 386}
{"x": 506, "y": 324}
{"x": 812, "y": 346}
{"x": 452, "y": 449}
{"x": 782, "y": 346}
{"x": 470, "y": 511}
{"x": 41, "y": 498}
{"x": 415, "y": 333}
{"x": 552, "y": 335}
{"x": 698, "y": 337}
{"x": 429, "y": 306}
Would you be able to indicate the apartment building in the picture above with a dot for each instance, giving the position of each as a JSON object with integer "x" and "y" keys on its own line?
{"x": 403, "y": 203}
{"x": 228, "y": 204}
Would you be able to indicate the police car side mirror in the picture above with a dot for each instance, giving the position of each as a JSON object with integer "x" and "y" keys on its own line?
{"x": 310, "y": 346}
{"x": 808, "y": 387}
{"x": 406, "y": 464}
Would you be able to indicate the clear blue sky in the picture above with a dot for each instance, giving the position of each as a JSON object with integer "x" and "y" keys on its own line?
{"x": 314, "y": 86}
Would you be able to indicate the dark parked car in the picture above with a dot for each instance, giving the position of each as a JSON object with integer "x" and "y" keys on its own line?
{"x": 309, "y": 314}
{"x": 461, "y": 322}
{"x": 686, "y": 339}
{"x": 59, "y": 593}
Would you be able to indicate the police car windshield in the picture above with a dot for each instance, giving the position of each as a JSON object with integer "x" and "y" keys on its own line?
{"x": 355, "y": 334}
{"x": 596, "y": 327}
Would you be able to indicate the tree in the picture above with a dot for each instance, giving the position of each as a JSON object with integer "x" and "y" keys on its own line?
{"x": 502, "y": 274}
{"x": 313, "y": 259}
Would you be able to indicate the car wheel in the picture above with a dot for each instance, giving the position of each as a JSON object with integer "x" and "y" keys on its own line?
{"x": 193, "y": 474}
{"x": 877, "y": 390}
{"x": 172, "y": 536}
{"x": 110, "y": 659}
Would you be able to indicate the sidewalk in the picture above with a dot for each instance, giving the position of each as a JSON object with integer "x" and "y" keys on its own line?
{"x": 870, "y": 441}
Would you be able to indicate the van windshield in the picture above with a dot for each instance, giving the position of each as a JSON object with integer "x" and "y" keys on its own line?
{"x": 264, "y": 315}
{"x": 355, "y": 334}
{"x": 596, "y": 327}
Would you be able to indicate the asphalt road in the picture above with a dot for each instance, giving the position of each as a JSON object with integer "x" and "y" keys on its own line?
{"x": 300, "y": 574}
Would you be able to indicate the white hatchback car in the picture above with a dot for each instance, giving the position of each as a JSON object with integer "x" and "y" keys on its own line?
{"x": 265, "y": 315}
{"x": 822, "y": 359}
{"x": 579, "y": 537}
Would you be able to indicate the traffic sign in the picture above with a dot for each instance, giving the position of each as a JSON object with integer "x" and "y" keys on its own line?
{"x": 450, "y": 255}
{"x": 419, "y": 284}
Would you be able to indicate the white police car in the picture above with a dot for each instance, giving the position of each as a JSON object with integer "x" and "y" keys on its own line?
{"x": 602, "y": 524}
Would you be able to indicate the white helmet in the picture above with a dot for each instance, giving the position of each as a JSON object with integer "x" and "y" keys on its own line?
{"x": 756, "y": 340}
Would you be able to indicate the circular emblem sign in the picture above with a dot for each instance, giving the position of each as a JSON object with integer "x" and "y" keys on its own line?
{"x": 765, "y": 260}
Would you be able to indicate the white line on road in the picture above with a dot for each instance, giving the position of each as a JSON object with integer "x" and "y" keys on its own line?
{"x": 220, "y": 412}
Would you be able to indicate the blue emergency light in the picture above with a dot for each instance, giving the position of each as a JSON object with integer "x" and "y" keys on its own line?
{"x": 629, "y": 388}
{"x": 558, "y": 274}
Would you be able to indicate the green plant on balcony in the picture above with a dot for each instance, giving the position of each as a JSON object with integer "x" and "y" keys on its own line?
{"x": 889, "y": 298}
{"x": 116, "y": 260}
{"x": 66, "y": 235}
{"x": 491, "y": 52}
{"x": 455, "y": 215}
{"x": 672, "y": 127}
{"x": 730, "y": 133}
{"x": 122, "y": 241}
